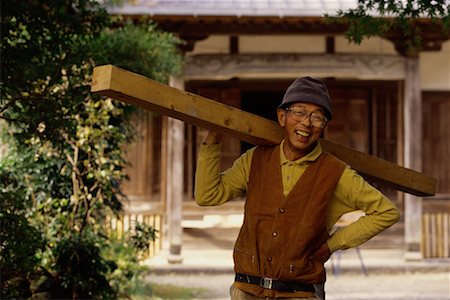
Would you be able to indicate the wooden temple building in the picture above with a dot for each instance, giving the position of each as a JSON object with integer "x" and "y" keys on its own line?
{"x": 387, "y": 102}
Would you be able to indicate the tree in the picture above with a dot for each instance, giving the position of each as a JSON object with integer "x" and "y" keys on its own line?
{"x": 65, "y": 163}
{"x": 19, "y": 240}
{"x": 385, "y": 17}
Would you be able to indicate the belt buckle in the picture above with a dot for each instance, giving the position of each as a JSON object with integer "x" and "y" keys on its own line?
{"x": 267, "y": 283}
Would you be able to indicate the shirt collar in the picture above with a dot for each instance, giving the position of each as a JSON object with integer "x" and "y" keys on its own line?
{"x": 311, "y": 156}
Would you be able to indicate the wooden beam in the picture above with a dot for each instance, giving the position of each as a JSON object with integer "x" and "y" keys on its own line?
{"x": 143, "y": 92}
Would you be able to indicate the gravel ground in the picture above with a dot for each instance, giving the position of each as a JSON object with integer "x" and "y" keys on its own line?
{"x": 390, "y": 276}
{"x": 346, "y": 286}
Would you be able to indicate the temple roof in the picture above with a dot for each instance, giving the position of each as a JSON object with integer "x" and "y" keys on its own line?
{"x": 236, "y": 8}
{"x": 194, "y": 20}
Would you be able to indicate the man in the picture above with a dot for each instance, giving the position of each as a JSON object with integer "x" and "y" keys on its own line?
{"x": 295, "y": 194}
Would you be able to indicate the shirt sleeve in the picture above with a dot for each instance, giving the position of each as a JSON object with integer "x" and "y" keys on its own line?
{"x": 354, "y": 193}
{"x": 215, "y": 188}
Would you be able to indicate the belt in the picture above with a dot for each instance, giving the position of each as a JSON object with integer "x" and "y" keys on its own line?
{"x": 274, "y": 284}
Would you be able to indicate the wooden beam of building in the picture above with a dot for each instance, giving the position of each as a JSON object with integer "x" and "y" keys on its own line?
{"x": 143, "y": 92}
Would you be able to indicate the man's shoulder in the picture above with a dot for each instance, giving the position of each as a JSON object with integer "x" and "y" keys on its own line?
{"x": 332, "y": 158}
{"x": 264, "y": 149}
{"x": 333, "y": 163}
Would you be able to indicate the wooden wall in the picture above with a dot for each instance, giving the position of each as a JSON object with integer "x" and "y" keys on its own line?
{"x": 436, "y": 138}
{"x": 144, "y": 156}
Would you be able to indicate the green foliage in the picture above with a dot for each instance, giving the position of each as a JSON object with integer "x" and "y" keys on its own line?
{"x": 19, "y": 241}
{"x": 80, "y": 272}
{"x": 65, "y": 163}
{"x": 141, "y": 235}
{"x": 142, "y": 49}
{"x": 41, "y": 42}
{"x": 378, "y": 17}
{"x": 126, "y": 278}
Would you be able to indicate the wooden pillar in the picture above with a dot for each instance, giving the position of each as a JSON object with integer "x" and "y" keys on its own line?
{"x": 190, "y": 161}
{"x": 174, "y": 186}
{"x": 413, "y": 138}
{"x": 163, "y": 184}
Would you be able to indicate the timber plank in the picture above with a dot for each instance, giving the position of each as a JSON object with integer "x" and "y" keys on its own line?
{"x": 143, "y": 92}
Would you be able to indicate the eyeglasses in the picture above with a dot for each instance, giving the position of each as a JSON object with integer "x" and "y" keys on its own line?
{"x": 317, "y": 119}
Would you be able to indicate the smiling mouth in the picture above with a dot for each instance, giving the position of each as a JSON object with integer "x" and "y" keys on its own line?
{"x": 302, "y": 133}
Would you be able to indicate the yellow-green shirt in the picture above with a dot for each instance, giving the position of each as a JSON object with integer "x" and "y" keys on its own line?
{"x": 352, "y": 193}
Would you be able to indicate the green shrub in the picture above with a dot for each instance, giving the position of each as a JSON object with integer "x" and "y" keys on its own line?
{"x": 61, "y": 177}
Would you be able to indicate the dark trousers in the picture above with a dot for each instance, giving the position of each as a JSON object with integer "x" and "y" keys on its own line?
{"x": 320, "y": 291}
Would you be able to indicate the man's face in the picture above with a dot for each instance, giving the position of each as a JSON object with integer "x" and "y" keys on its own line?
{"x": 303, "y": 124}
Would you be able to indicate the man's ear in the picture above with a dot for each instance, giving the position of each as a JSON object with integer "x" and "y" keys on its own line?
{"x": 281, "y": 114}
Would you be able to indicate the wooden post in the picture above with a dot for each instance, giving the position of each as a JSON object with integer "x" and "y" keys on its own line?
{"x": 175, "y": 184}
{"x": 163, "y": 183}
{"x": 413, "y": 156}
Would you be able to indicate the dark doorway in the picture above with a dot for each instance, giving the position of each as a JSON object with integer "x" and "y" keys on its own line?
{"x": 261, "y": 103}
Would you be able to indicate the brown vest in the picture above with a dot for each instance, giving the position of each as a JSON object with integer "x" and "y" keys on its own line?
{"x": 279, "y": 233}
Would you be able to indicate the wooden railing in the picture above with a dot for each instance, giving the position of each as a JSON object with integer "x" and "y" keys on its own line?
{"x": 127, "y": 221}
{"x": 435, "y": 234}
{"x": 435, "y": 231}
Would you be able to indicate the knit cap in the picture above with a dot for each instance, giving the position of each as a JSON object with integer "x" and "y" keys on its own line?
{"x": 308, "y": 90}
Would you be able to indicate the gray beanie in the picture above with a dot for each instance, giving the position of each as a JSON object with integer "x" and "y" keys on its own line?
{"x": 308, "y": 90}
